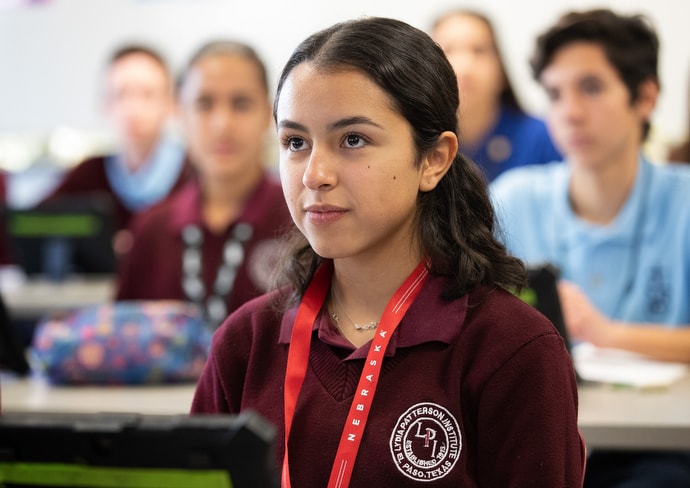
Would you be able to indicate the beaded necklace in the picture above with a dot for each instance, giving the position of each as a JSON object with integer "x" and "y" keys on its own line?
{"x": 214, "y": 307}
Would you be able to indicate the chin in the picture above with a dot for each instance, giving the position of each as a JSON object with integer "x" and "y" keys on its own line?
{"x": 327, "y": 251}
{"x": 587, "y": 162}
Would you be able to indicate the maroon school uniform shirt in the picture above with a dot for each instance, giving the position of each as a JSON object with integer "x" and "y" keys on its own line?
{"x": 152, "y": 269}
{"x": 485, "y": 377}
{"x": 90, "y": 177}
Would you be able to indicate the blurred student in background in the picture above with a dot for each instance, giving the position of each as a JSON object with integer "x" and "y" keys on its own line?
{"x": 616, "y": 225}
{"x": 213, "y": 243}
{"x": 495, "y": 131}
{"x": 138, "y": 99}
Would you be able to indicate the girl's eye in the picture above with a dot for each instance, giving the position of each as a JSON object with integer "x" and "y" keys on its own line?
{"x": 354, "y": 140}
{"x": 203, "y": 104}
{"x": 242, "y": 104}
{"x": 294, "y": 144}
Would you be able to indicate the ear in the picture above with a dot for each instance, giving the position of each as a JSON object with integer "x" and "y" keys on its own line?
{"x": 437, "y": 162}
{"x": 647, "y": 94}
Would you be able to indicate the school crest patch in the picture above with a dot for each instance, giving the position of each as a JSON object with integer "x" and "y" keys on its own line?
{"x": 426, "y": 442}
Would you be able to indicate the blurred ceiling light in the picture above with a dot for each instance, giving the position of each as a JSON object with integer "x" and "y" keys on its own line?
{"x": 18, "y": 152}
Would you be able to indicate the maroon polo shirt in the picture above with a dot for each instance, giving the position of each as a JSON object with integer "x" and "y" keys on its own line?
{"x": 152, "y": 269}
{"x": 478, "y": 391}
{"x": 90, "y": 177}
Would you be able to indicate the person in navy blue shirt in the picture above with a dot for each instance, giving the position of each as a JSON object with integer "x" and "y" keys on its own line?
{"x": 495, "y": 132}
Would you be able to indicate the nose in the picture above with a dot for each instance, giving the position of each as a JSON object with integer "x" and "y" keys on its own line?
{"x": 319, "y": 173}
{"x": 221, "y": 118}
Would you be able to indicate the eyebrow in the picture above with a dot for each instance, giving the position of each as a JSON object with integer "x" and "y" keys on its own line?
{"x": 338, "y": 124}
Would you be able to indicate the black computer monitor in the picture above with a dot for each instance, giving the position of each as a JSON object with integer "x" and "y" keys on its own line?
{"x": 542, "y": 293}
{"x": 12, "y": 356}
{"x": 69, "y": 235}
{"x": 134, "y": 450}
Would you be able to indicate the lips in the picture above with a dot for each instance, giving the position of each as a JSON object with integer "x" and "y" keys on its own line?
{"x": 578, "y": 140}
{"x": 224, "y": 149}
{"x": 324, "y": 214}
{"x": 223, "y": 144}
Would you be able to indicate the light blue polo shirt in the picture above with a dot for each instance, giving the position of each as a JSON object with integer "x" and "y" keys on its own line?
{"x": 636, "y": 268}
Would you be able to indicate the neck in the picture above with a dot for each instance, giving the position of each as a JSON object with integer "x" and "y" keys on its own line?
{"x": 360, "y": 294}
{"x": 224, "y": 198}
{"x": 598, "y": 195}
{"x": 135, "y": 157}
{"x": 365, "y": 288}
{"x": 475, "y": 122}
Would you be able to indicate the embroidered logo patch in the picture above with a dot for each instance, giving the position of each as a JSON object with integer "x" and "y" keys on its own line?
{"x": 426, "y": 442}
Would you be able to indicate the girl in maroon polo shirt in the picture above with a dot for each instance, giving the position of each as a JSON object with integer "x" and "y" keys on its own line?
{"x": 393, "y": 355}
{"x": 212, "y": 242}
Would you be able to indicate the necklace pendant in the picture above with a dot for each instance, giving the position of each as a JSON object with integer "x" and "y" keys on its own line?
{"x": 370, "y": 326}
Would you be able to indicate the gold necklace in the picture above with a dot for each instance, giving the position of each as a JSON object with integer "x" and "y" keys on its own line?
{"x": 359, "y": 327}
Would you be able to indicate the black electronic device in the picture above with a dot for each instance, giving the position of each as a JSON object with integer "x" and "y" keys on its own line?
{"x": 110, "y": 450}
{"x": 68, "y": 235}
{"x": 542, "y": 293}
{"x": 12, "y": 356}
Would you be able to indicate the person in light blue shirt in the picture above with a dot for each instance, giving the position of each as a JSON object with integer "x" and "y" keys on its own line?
{"x": 616, "y": 225}
{"x": 636, "y": 268}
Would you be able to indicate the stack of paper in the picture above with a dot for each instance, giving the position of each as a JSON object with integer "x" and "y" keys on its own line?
{"x": 624, "y": 368}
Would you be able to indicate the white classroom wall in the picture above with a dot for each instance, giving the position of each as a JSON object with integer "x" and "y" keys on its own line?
{"x": 51, "y": 56}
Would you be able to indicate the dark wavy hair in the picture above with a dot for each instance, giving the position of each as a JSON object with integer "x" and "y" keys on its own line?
{"x": 455, "y": 221}
{"x": 629, "y": 43}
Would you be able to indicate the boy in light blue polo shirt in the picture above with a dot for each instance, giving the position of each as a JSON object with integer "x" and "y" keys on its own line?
{"x": 636, "y": 268}
{"x": 616, "y": 225}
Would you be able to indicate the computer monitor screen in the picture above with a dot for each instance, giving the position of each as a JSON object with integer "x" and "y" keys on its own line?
{"x": 70, "y": 235}
{"x": 134, "y": 450}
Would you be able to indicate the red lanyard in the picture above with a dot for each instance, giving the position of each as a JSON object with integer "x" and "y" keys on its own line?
{"x": 298, "y": 359}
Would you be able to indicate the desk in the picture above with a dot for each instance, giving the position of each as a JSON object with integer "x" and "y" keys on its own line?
{"x": 35, "y": 297}
{"x": 35, "y": 394}
{"x": 636, "y": 419}
{"x": 608, "y": 418}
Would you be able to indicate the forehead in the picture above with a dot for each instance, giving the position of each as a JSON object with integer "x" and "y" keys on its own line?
{"x": 461, "y": 28}
{"x": 578, "y": 60}
{"x": 136, "y": 68}
{"x": 312, "y": 92}
{"x": 222, "y": 72}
